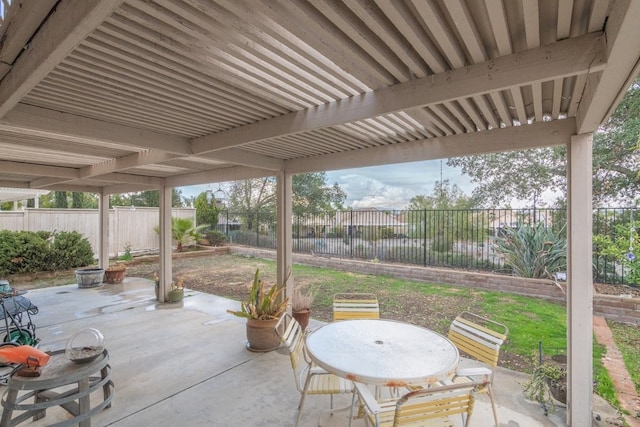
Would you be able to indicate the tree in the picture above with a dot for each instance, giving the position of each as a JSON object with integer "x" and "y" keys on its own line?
{"x": 311, "y": 194}
{"x": 206, "y": 212}
{"x": 444, "y": 217}
{"x": 252, "y": 197}
{"x": 149, "y": 198}
{"x": 60, "y": 199}
{"x": 445, "y": 196}
{"x": 527, "y": 174}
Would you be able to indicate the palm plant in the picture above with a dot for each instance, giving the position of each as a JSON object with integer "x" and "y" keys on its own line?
{"x": 533, "y": 251}
{"x": 183, "y": 232}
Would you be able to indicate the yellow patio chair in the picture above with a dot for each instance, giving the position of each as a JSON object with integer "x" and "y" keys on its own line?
{"x": 349, "y": 306}
{"x": 433, "y": 406}
{"x": 310, "y": 379}
{"x": 479, "y": 338}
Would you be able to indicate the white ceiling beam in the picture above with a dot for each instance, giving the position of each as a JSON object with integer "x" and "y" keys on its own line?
{"x": 130, "y": 179}
{"x": 563, "y": 59}
{"x": 70, "y": 22}
{"x": 246, "y": 158}
{"x": 13, "y": 184}
{"x": 43, "y": 122}
{"x": 110, "y": 177}
{"x": 234, "y": 173}
{"x": 604, "y": 91}
{"x": 543, "y": 134}
{"x": 47, "y": 182}
{"x": 142, "y": 158}
{"x": 34, "y": 169}
{"x": 125, "y": 188}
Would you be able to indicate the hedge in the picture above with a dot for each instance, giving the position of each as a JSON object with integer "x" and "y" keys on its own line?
{"x": 30, "y": 252}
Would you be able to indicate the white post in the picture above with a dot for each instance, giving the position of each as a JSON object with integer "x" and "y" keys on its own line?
{"x": 103, "y": 230}
{"x": 165, "y": 243}
{"x": 284, "y": 239}
{"x": 579, "y": 282}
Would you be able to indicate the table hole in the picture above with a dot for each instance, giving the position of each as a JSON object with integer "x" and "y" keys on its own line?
{"x": 379, "y": 342}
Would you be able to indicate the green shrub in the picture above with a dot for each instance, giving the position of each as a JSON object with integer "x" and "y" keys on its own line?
{"x": 8, "y": 244}
{"x": 70, "y": 250}
{"x": 216, "y": 238}
{"x": 31, "y": 252}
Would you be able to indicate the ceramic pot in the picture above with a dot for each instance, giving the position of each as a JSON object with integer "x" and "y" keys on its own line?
{"x": 261, "y": 335}
{"x": 175, "y": 295}
{"x": 302, "y": 317}
{"x": 89, "y": 277}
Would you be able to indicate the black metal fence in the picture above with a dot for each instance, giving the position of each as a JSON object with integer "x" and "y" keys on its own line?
{"x": 461, "y": 239}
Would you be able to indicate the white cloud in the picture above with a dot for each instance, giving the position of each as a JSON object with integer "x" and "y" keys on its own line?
{"x": 388, "y": 186}
{"x": 392, "y": 186}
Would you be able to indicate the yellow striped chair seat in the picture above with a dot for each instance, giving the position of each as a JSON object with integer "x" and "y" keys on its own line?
{"x": 348, "y": 306}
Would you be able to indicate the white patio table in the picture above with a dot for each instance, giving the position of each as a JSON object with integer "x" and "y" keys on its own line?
{"x": 383, "y": 352}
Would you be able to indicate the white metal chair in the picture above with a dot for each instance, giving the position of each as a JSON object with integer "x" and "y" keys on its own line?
{"x": 433, "y": 406}
{"x": 348, "y": 306}
{"x": 481, "y": 339}
{"x": 310, "y": 379}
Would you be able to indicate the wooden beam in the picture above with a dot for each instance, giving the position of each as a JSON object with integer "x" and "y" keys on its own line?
{"x": 234, "y": 173}
{"x": 142, "y": 158}
{"x": 63, "y": 30}
{"x": 26, "y": 17}
{"x": 29, "y": 120}
{"x": 604, "y": 90}
{"x": 542, "y": 134}
{"x": 562, "y": 59}
{"x": 35, "y": 169}
{"x": 245, "y": 158}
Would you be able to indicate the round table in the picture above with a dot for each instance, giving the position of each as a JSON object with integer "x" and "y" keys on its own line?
{"x": 383, "y": 352}
{"x": 51, "y": 389}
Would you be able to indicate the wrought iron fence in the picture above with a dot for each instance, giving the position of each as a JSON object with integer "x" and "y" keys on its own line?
{"x": 440, "y": 238}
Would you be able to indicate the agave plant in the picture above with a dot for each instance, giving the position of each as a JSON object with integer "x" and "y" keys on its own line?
{"x": 263, "y": 303}
{"x": 533, "y": 251}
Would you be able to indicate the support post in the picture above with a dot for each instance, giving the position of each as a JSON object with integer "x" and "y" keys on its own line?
{"x": 284, "y": 239}
{"x": 165, "y": 243}
{"x": 580, "y": 281}
{"x": 103, "y": 232}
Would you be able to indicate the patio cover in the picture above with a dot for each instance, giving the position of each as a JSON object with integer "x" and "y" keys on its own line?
{"x": 112, "y": 96}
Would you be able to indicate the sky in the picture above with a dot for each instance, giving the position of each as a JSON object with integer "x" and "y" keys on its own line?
{"x": 388, "y": 186}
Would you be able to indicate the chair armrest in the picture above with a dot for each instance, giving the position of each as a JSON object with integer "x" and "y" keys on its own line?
{"x": 473, "y": 372}
{"x": 367, "y": 398}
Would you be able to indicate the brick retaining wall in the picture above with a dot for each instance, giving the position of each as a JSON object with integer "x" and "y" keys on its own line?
{"x": 618, "y": 308}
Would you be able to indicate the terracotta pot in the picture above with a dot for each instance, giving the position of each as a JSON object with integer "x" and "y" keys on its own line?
{"x": 261, "y": 335}
{"x": 114, "y": 276}
{"x": 302, "y": 317}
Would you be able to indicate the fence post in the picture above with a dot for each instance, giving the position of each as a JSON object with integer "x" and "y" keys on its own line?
{"x": 424, "y": 238}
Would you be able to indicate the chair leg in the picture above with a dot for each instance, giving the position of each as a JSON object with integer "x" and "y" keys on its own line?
{"x": 493, "y": 404}
{"x": 300, "y": 405}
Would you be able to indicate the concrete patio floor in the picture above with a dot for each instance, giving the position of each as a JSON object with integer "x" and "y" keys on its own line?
{"x": 186, "y": 364}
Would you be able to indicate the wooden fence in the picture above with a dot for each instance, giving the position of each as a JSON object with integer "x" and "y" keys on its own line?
{"x": 127, "y": 227}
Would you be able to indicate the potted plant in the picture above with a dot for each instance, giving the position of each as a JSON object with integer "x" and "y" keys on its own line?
{"x": 547, "y": 385}
{"x": 115, "y": 273}
{"x": 301, "y": 306}
{"x": 176, "y": 294}
{"x": 262, "y": 310}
